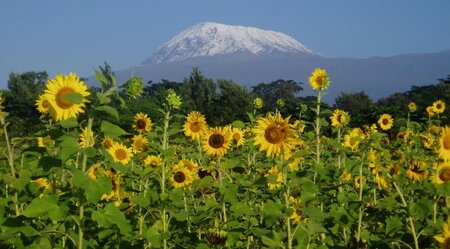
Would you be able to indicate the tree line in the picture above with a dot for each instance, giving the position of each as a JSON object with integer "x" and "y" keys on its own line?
{"x": 223, "y": 101}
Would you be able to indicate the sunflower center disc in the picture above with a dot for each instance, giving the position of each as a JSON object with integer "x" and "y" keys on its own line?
{"x": 236, "y": 136}
{"x": 120, "y": 154}
{"x": 447, "y": 142}
{"x": 444, "y": 174}
{"x": 62, "y": 103}
{"x": 140, "y": 124}
{"x": 216, "y": 141}
{"x": 385, "y": 121}
{"x": 274, "y": 135}
{"x": 195, "y": 127}
{"x": 179, "y": 177}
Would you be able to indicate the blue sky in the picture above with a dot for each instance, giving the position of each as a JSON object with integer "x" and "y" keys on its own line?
{"x": 66, "y": 36}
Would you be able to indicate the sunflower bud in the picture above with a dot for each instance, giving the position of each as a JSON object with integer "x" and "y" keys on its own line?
{"x": 134, "y": 87}
{"x": 258, "y": 103}
{"x": 281, "y": 103}
{"x": 173, "y": 99}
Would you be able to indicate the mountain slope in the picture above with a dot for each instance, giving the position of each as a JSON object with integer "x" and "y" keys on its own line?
{"x": 212, "y": 39}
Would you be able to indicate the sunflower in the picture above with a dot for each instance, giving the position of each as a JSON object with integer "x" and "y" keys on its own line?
{"x": 435, "y": 130}
{"x": 93, "y": 171}
{"x": 298, "y": 126}
{"x": 153, "y": 161}
{"x": 444, "y": 143}
{"x": 42, "y": 104}
{"x": 346, "y": 176}
{"x": 296, "y": 216}
{"x": 412, "y": 107}
{"x": 438, "y": 106}
{"x": 296, "y": 163}
{"x": 142, "y": 123}
{"x": 107, "y": 142}
{"x": 381, "y": 182}
{"x": 353, "y": 138}
{"x": 274, "y": 135}
{"x": 386, "y": 122}
{"x": 428, "y": 140}
{"x": 60, "y": 87}
{"x": 140, "y": 143}
{"x": 339, "y": 118}
{"x": 238, "y": 136}
{"x": 43, "y": 141}
{"x": 195, "y": 125}
{"x": 430, "y": 111}
{"x": 43, "y": 184}
{"x": 84, "y": 136}
{"x": 115, "y": 191}
{"x": 442, "y": 173}
{"x": 417, "y": 171}
{"x": 319, "y": 80}
{"x": 181, "y": 177}
{"x": 275, "y": 178}
{"x": 120, "y": 153}
{"x": 216, "y": 141}
{"x": 357, "y": 181}
{"x": 444, "y": 237}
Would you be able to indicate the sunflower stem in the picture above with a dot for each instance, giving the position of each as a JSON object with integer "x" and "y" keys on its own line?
{"x": 409, "y": 219}
{"x": 165, "y": 146}
{"x": 319, "y": 97}
{"x": 10, "y": 158}
{"x": 83, "y": 168}
{"x": 286, "y": 200}
{"x": 361, "y": 211}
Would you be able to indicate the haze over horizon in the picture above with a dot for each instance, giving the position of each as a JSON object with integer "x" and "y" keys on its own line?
{"x": 63, "y": 37}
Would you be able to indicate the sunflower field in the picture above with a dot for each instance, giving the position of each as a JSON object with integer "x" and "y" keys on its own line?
{"x": 271, "y": 181}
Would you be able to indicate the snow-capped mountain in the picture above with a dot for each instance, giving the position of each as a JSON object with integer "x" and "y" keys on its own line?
{"x": 211, "y": 39}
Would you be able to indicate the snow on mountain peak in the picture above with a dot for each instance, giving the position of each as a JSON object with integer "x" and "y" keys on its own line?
{"x": 210, "y": 39}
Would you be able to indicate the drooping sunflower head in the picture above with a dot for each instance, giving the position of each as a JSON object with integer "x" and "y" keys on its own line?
{"x": 339, "y": 118}
{"x": 42, "y": 142}
{"x": 195, "y": 125}
{"x": 444, "y": 144}
{"x": 120, "y": 153}
{"x": 444, "y": 238}
{"x": 140, "y": 143}
{"x": 238, "y": 136}
{"x": 42, "y": 104}
{"x": 386, "y": 121}
{"x": 274, "y": 135}
{"x": 346, "y": 176}
{"x": 412, "y": 107}
{"x": 153, "y": 161}
{"x": 142, "y": 123}
{"x": 93, "y": 171}
{"x": 66, "y": 96}
{"x": 417, "y": 171}
{"x": 319, "y": 80}
{"x": 381, "y": 182}
{"x": 181, "y": 177}
{"x": 216, "y": 141}
{"x": 189, "y": 164}
{"x": 438, "y": 106}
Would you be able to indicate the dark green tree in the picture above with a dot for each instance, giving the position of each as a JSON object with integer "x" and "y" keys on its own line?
{"x": 360, "y": 107}
{"x": 20, "y": 99}
{"x": 232, "y": 103}
{"x": 199, "y": 93}
{"x": 279, "y": 89}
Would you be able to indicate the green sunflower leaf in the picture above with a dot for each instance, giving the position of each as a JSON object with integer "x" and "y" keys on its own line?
{"x": 74, "y": 98}
{"x": 112, "y": 130}
{"x": 111, "y": 215}
{"x": 108, "y": 109}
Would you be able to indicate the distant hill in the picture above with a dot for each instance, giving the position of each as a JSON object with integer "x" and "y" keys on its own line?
{"x": 250, "y": 56}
